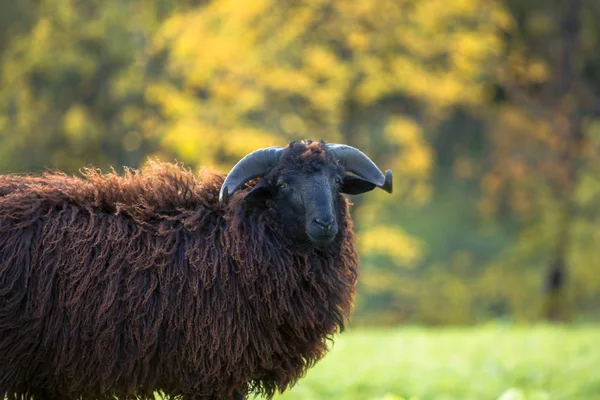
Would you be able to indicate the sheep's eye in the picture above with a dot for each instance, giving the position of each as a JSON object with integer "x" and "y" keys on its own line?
{"x": 282, "y": 185}
{"x": 338, "y": 180}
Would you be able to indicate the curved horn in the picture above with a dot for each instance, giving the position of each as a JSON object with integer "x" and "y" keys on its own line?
{"x": 357, "y": 162}
{"x": 251, "y": 166}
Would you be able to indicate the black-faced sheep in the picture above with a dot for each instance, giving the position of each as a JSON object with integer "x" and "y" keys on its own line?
{"x": 156, "y": 281}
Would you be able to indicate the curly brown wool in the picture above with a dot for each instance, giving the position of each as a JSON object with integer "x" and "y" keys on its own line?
{"x": 122, "y": 286}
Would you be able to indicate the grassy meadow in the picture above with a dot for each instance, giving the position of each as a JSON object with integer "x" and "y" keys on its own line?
{"x": 484, "y": 363}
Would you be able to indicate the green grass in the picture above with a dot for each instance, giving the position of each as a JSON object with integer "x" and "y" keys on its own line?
{"x": 486, "y": 363}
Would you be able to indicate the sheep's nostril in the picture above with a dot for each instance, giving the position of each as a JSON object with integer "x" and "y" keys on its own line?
{"x": 324, "y": 223}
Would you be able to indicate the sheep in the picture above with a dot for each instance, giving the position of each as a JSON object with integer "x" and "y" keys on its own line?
{"x": 156, "y": 281}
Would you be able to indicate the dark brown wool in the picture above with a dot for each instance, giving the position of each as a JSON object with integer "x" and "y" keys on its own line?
{"x": 313, "y": 151}
{"x": 122, "y": 285}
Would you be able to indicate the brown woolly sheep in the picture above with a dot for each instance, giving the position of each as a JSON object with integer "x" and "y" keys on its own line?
{"x": 156, "y": 281}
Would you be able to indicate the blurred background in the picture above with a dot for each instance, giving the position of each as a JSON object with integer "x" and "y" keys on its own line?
{"x": 487, "y": 111}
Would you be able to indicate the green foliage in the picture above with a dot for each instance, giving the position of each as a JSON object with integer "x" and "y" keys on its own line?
{"x": 72, "y": 87}
{"x": 493, "y": 362}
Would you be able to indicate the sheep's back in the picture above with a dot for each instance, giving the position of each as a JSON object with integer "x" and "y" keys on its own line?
{"x": 95, "y": 278}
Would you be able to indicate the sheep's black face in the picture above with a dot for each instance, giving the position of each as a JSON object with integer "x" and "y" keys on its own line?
{"x": 318, "y": 202}
{"x": 308, "y": 204}
{"x": 305, "y": 196}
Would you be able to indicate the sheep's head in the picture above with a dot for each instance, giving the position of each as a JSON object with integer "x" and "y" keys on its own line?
{"x": 303, "y": 182}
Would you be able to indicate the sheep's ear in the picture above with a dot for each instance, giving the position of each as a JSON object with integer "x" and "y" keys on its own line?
{"x": 354, "y": 185}
{"x": 259, "y": 193}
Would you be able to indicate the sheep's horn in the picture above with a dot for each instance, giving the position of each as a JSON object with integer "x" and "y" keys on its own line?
{"x": 251, "y": 166}
{"x": 357, "y": 162}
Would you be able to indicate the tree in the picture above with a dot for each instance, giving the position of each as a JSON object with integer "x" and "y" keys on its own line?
{"x": 549, "y": 82}
{"x": 72, "y": 87}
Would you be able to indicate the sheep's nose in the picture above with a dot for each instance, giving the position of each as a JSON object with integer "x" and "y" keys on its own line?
{"x": 325, "y": 222}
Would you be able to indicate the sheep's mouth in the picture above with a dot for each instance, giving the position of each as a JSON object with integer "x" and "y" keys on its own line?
{"x": 321, "y": 240}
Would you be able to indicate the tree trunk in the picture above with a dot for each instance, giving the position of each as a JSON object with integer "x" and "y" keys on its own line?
{"x": 555, "y": 304}
{"x": 569, "y": 130}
